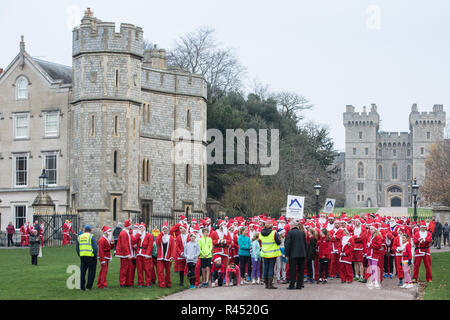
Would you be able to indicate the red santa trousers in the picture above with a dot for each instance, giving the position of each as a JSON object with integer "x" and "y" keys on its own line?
{"x": 398, "y": 267}
{"x": 346, "y": 271}
{"x": 334, "y": 265}
{"x": 101, "y": 280}
{"x": 125, "y": 264}
{"x": 161, "y": 267}
{"x": 153, "y": 271}
{"x": 23, "y": 241}
{"x": 144, "y": 266}
{"x": 427, "y": 262}
{"x": 66, "y": 239}
{"x": 197, "y": 272}
{"x": 131, "y": 272}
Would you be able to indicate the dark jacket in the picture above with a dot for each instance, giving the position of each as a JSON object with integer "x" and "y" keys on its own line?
{"x": 35, "y": 242}
{"x": 438, "y": 228}
{"x": 116, "y": 232}
{"x": 266, "y": 231}
{"x": 311, "y": 249}
{"x": 295, "y": 244}
{"x": 37, "y": 227}
{"x": 446, "y": 229}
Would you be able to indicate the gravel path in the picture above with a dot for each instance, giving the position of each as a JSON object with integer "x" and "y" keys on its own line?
{"x": 333, "y": 290}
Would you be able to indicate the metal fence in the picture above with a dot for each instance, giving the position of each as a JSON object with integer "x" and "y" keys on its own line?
{"x": 53, "y": 227}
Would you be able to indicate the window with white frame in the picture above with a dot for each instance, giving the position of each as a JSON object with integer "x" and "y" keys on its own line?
{"x": 22, "y": 88}
{"x": 20, "y": 215}
{"x": 51, "y": 168}
{"x": 20, "y": 170}
{"x": 22, "y": 125}
{"x": 51, "y": 124}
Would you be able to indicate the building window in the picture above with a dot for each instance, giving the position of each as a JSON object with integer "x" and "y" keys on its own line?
{"x": 116, "y": 126}
{"x": 188, "y": 118}
{"x": 146, "y": 113}
{"x": 394, "y": 171}
{"x": 51, "y": 124}
{"x": 408, "y": 152}
{"x": 21, "y": 171}
{"x": 51, "y": 168}
{"x": 20, "y": 213}
{"x": 114, "y": 209}
{"x": 422, "y": 150}
{"x": 358, "y": 198}
{"x": 362, "y": 197}
{"x": 379, "y": 187}
{"x": 146, "y": 170}
{"x": 380, "y": 172}
{"x": 117, "y": 78}
{"x": 360, "y": 135}
{"x": 428, "y": 135}
{"x": 394, "y": 152}
{"x": 92, "y": 126}
{"x": 115, "y": 155}
{"x": 22, "y": 125}
{"x": 366, "y": 151}
{"x": 360, "y": 186}
{"x": 187, "y": 210}
{"x": 408, "y": 172}
{"x": 354, "y": 151}
{"x": 379, "y": 152}
{"x": 360, "y": 170}
{"x": 22, "y": 88}
{"x": 188, "y": 174}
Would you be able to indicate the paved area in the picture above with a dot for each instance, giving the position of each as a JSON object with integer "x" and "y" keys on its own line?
{"x": 393, "y": 211}
{"x": 333, "y": 290}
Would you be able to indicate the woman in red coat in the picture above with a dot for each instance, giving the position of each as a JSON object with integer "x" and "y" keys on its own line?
{"x": 346, "y": 257}
{"x": 359, "y": 240}
{"x": 105, "y": 245}
{"x": 144, "y": 261}
{"x": 180, "y": 260}
{"x": 324, "y": 255}
{"x": 374, "y": 246}
{"x": 165, "y": 256}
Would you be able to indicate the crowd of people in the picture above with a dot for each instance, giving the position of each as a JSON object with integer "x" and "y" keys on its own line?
{"x": 262, "y": 250}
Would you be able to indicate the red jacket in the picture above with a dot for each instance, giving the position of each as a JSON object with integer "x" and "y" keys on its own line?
{"x": 144, "y": 245}
{"x": 125, "y": 242}
{"x": 324, "y": 246}
{"x": 104, "y": 249}
{"x": 170, "y": 252}
{"x": 175, "y": 230}
{"x": 422, "y": 248}
{"x": 220, "y": 248}
{"x": 179, "y": 246}
{"x": 375, "y": 246}
{"x": 359, "y": 240}
{"x": 407, "y": 254}
{"x": 346, "y": 251}
{"x": 10, "y": 229}
{"x": 336, "y": 237}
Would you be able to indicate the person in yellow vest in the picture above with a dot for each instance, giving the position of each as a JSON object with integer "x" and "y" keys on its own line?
{"x": 270, "y": 250}
{"x": 87, "y": 250}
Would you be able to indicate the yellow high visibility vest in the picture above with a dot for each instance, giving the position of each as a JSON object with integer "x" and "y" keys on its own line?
{"x": 269, "y": 248}
{"x": 85, "y": 245}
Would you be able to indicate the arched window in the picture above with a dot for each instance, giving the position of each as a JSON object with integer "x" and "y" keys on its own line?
{"x": 188, "y": 118}
{"x": 22, "y": 88}
{"x": 380, "y": 172}
{"x": 115, "y": 162}
{"x": 408, "y": 172}
{"x": 188, "y": 174}
{"x": 116, "y": 125}
{"x": 115, "y": 209}
{"x": 394, "y": 171}
{"x": 147, "y": 171}
{"x": 360, "y": 170}
{"x": 144, "y": 168}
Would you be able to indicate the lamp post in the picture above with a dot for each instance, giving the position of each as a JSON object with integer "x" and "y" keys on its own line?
{"x": 317, "y": 189}
{"x": 415, "y": 190}
{"x": 43, "y": 178}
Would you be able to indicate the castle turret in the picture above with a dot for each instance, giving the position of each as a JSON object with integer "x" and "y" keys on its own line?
{"x": 106, "y": 102}
{"x": 155, "y": 58}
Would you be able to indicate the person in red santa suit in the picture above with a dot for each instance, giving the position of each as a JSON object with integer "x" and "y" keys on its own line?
{"x": 359, "y": 242}
{"x": 41, "y": 233}
{"x": 180, "y": 259}
{"x": 23, "y": 235}
{"x": 124, "y": 252}
{"x": 67, "y": 229}
{"x": 330, "y": 223}
{"x": 234, "y": 247}
{"x": 192, "y": 226}
{"x": 221, "y": 240}
{"x": 422, "y": 242}
{"x": 134, "y": 244}
{"x": 322, "y": 221}
{"x": 374, "y": 252}
{"x": 346, "y": 257}
{"x": 397, "y": 246}
{"x": 166, "y": 254}
{"x": 175, "y": 230}
{"x": 336, "y": 236}
{"x": 144, "y": 261}
{"x": 105, "y": 245}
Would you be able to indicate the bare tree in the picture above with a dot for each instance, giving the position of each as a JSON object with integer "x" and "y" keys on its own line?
{"x": 291, "y": 103}
{"x": 437, "y": 183}
{"x": 198, "y": 52}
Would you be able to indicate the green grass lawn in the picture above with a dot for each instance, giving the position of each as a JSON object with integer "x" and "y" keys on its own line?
{"x": 439, "y": 288}
{"x": 421, "y": 212}
{"x": 350, "y": 212}
{"x": 21, "y": 280}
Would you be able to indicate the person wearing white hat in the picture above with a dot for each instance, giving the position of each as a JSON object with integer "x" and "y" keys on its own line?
{"x": 217, "y": 272}
{"x": 144, "y": 261}
{"x": 165, "y": 256}
{"x": 221, "y": 241}
{"x": 105, "y": 245}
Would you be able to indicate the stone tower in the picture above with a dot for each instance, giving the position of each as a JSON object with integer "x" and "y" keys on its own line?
{"x": 426, "y": 128}
{"x": 105, "y": 121}
{"x": 361, "y": 131}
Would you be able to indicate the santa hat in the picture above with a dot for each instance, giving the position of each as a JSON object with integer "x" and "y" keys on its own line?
{"x": 182, "y": 218}
{"x": 194, "y": 220}
{"x": 142, "y": 225}
{"x": 282, "y": 219}
{"x": 196, "y": 228}
{"x": 165, "y": 225}
{"x": 330, "y": 216}
{"x": 423, "y": 224}
{"x": 106, "y": 229}
{"x": 355, "y": 217}
{"x": 337, "y": 221}
{"x": 183, "y": 226}
{"x": 217, "y": 259}
{"x": 127, "y": 223}
{"x": 373, "y": 227}
{"x": 230, "y": 225}
{"x": 136, "y": 225}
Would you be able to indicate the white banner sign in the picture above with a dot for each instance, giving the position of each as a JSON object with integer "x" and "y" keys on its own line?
{"x": 329, "y": 205}
{"x": 295, "y": 206}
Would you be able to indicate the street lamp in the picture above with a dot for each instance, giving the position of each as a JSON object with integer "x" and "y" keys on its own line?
{"x": 43, "y": 181}
{"x": 415, "y": 191}
{"x": 317, "y": 188}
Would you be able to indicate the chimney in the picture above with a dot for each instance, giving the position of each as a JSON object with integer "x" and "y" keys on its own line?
{"x": 349, "y": 108}
{"x": 155, "y": 58}
{"x": 414, "y": 107}
{"x": 373, "y": 107}
{"x": 22, "y": 44}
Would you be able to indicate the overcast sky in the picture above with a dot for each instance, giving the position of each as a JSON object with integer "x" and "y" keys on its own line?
{"x": 393, "y": 53}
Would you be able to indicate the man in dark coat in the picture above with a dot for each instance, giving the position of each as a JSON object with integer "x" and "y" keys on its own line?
{"x": 295, "y": 251}
{"x": 437, "y": 234}
{"x": 35, "y": 243}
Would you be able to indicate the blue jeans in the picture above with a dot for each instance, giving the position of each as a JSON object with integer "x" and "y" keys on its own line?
{"x": 268, "y": 267}
{"x": 256, "y": 265}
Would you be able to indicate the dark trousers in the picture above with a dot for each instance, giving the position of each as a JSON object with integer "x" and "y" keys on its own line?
{"x": 10, "y": 240}
{"x": 34, "y": 260}
{"x": 88, "y": 264}
{"x": 216, "y": 276}
{"x": 446, "y": 239}
{"x": 296, "y": 271}
{"x": 437, "y": 241}
{"x": 268, "y": 267}
{"x": 245, "y": 261}
{"x": 323, "y": 268}
{"x": 309, "y": 267}
{"x": 191, "y": 273}
{"x": 388, "y": 264}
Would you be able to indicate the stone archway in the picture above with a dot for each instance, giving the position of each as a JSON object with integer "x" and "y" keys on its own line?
{"x": 396, "y": 202}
